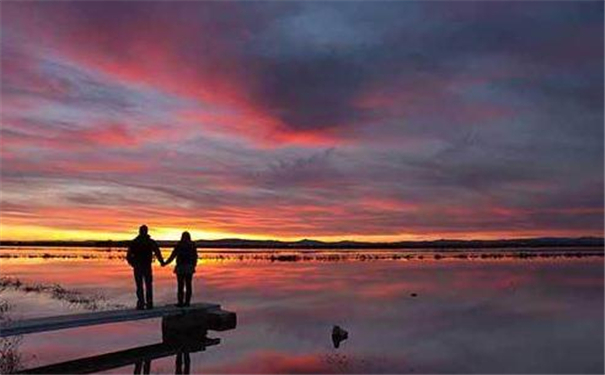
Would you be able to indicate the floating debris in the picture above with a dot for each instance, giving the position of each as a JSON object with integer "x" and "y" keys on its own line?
{"x": 338, "y": 335}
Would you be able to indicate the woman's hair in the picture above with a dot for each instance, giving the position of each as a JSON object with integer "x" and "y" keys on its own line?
{"x": 185, "y": 237}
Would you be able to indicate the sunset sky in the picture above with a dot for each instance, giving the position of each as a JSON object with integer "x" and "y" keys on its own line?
{"x": 289, "y": 120}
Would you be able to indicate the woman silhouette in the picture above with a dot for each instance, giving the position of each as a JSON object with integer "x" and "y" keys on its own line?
{"x": 185, "y": 253}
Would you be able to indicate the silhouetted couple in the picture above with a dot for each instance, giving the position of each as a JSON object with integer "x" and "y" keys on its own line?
{"x": 140, "y": 256}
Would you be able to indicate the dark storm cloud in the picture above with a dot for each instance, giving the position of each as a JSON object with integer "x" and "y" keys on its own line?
{"x": 308, "y": 64}
{"x": 328, "y": 74}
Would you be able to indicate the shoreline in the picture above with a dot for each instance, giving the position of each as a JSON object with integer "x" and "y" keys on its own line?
{"x": 322, "y": 256}
{"x": 547, "y": 242}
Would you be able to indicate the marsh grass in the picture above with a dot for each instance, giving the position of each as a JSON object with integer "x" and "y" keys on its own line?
{"x": 10, "y": 358}
{"x": 57, "y": 292}
{"x": 328, "y": 256}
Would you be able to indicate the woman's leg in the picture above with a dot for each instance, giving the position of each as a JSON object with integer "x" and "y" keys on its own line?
{"x": 180, "y": 286}
{"x": 179, "y": 363}
{"x": 187, "y": 360}
{"x": 188, "y": 279}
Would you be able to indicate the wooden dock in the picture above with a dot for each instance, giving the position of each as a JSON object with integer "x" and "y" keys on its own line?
{"x": 218, "y": 319}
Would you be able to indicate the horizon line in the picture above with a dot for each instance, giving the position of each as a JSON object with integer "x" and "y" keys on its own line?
{"x": 327, "y": 242}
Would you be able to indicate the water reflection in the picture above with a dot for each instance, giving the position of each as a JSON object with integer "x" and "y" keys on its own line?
{"x": 181, "y": 335}
{"x": 434, "y": 316}
{"x": 144, "y": 364}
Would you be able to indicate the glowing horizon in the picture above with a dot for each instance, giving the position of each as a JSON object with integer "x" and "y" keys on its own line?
{"x": 378, "y": 121}
{"x": 167, "y": 234}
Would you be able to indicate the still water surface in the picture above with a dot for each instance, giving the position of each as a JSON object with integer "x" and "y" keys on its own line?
{"x": 468, "y": 316}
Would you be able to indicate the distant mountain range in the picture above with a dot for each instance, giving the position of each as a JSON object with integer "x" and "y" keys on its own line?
{"x": 237, "y": 243}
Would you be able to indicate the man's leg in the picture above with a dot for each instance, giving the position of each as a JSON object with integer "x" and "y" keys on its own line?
{"x": 187, "y": 360}
{"x": 179, "y": 363}
{"x": 138, "y": 279}
{"x": 149, "y": 287}
{"x": 188, "y": 289}
{"x": 180, "y": 280}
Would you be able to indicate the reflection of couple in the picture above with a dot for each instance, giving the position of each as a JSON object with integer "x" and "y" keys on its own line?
{"x": 181, "y": 366}
{"x": 140, "y": 256}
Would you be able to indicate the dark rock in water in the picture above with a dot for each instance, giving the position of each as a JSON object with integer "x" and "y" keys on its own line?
{"x": 338, "y": 335}
{"x": 414, "y": 295}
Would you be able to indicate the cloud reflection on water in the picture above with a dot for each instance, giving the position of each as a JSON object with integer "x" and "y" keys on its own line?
{"x": 468, "y": 316}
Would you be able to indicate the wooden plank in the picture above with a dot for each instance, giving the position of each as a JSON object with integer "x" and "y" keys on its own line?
{"x": 53, "y": 323}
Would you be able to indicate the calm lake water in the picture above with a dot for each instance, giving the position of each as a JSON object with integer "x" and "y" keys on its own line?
{"x": 542, "y": 315}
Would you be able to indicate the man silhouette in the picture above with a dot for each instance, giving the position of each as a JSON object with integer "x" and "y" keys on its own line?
{"x": 140, "y": 256}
